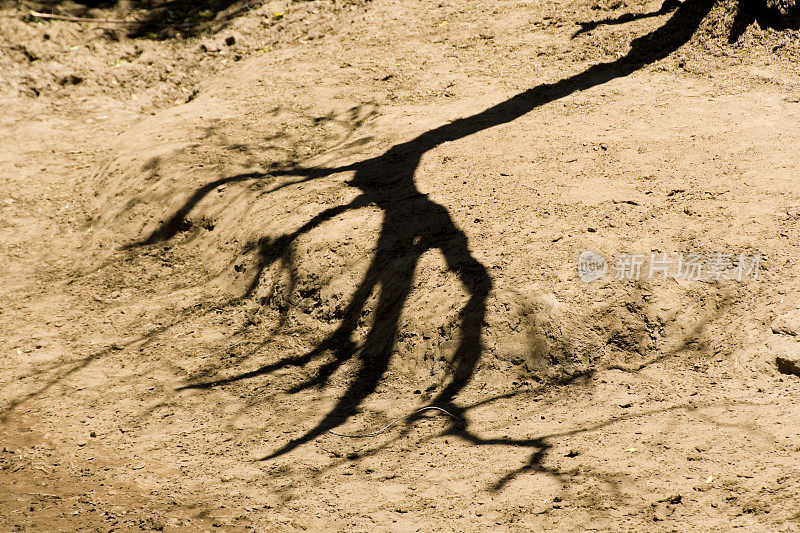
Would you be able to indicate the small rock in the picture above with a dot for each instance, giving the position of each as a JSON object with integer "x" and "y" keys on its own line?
{"x": 787, "y": 323}
{"x": 788, "y": 364}
{"x": 230, "y": 40}
{"x": 208, "y": 46}
{"x": 148, "y": 57}
{"x": 70, "y": 79}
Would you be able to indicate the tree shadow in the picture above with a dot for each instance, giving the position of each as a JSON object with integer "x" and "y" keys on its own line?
{"x": 152, "y": 18}
{"x": 750, "y": 11}
{"x": 412, "y": 225}
{"x": 747, "y": 12}
{"x": 667, "y": 7}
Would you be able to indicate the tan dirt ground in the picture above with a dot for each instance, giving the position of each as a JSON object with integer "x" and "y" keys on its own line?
{"x": 218, "y": 245}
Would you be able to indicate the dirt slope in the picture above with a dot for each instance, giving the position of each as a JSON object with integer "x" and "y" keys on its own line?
{"x": 378, "y": 207}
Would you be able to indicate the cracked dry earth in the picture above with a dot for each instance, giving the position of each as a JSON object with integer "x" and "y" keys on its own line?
{"x": 182, "y": 260}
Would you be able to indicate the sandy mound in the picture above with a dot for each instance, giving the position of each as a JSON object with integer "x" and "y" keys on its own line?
{"x": 319, "y": 216}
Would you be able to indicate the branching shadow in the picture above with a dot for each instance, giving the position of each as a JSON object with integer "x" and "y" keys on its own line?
{"x": 750, "y": 11}
{"x": 667, "y": 7}
{"x": 412, "y": 225}
{"x": 154, "y": 18}
{"x": 747, "y": 12}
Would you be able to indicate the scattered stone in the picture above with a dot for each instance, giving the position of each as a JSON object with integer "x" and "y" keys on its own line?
{"x": 148, "y": 57}
{"x": 788, "y": 364}
{"x": 787, "y": 323}
{"x": 208, "y": 46}
{"x": 70, "y": 79}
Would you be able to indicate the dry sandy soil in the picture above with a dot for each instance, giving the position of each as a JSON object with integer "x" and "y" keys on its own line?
{"x": 223, "y": 246}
